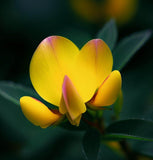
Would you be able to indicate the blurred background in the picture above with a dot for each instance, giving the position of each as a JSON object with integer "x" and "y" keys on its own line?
{"x": 24, "y": 24}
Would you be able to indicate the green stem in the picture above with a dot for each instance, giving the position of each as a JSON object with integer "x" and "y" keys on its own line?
{"x": 99, "y": 125}
{"x": 96, "y": 124}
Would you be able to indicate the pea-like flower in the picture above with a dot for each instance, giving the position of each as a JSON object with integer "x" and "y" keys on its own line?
{"x": 100, "y": 11}
{"x": 70, "y": 78}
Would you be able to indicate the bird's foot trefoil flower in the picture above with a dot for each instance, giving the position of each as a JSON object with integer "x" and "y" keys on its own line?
{"x": 70, "y": 78}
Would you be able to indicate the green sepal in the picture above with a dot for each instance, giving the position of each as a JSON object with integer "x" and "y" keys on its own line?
{"x": 117, "y": 106}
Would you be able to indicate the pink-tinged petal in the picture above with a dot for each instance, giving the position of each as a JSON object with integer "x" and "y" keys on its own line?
{"x": 93, "y": 65}
{"x": 108, "y": 91}
{"x": 71, "y": 103}
{"x": 38, "y": 113}
{"x": 52, "y": 60}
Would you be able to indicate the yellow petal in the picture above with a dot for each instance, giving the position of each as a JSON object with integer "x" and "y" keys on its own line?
{"x": 94, "y": 64}
{"x": 37, "y": 113}
{"x": 71, "y": 103}
{"x": 51, "y": 61}
{"x": 56, "y": 57}
{"x": 74, "y": 122}
{"x": 108, "y": 91}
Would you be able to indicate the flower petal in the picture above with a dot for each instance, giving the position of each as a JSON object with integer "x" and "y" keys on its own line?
{"x": 52, "y": 60}
{"x": 37, "y": 113}
{"x": 108, "y": 91}
{"x": 71, "y": 103}
{"x": 74, "y": 122}
{"x": 56, "y": 57}
{"x": 93, "y": 65}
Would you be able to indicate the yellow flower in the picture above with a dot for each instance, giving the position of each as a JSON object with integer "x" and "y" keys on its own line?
{"x": 68, "y": 77}
{"x": 99, "y": 11}
{"x": 121, "y": 10}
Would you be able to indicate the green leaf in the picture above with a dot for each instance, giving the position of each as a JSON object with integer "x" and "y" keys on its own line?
{"x": 13, "y": 92}
{"x": 91, "y": 144}
{"x": 109, "y": 34}
{"x": 131, "y": 129}
{"x": 144, "y": 148}
{"x": 106, "y": 153}
{"x": 128, "y": 47}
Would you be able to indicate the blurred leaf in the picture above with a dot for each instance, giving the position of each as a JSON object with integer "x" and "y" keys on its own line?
{"x": 128, "y": 46}
{"x": 106, "y": 153}
{"x": 138, "y": 129}
{"x": 91, "y": 144}
{"x": 144, "y": 148}
{"x": 13, "y": 92}
{"x": 109, "y": 33}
